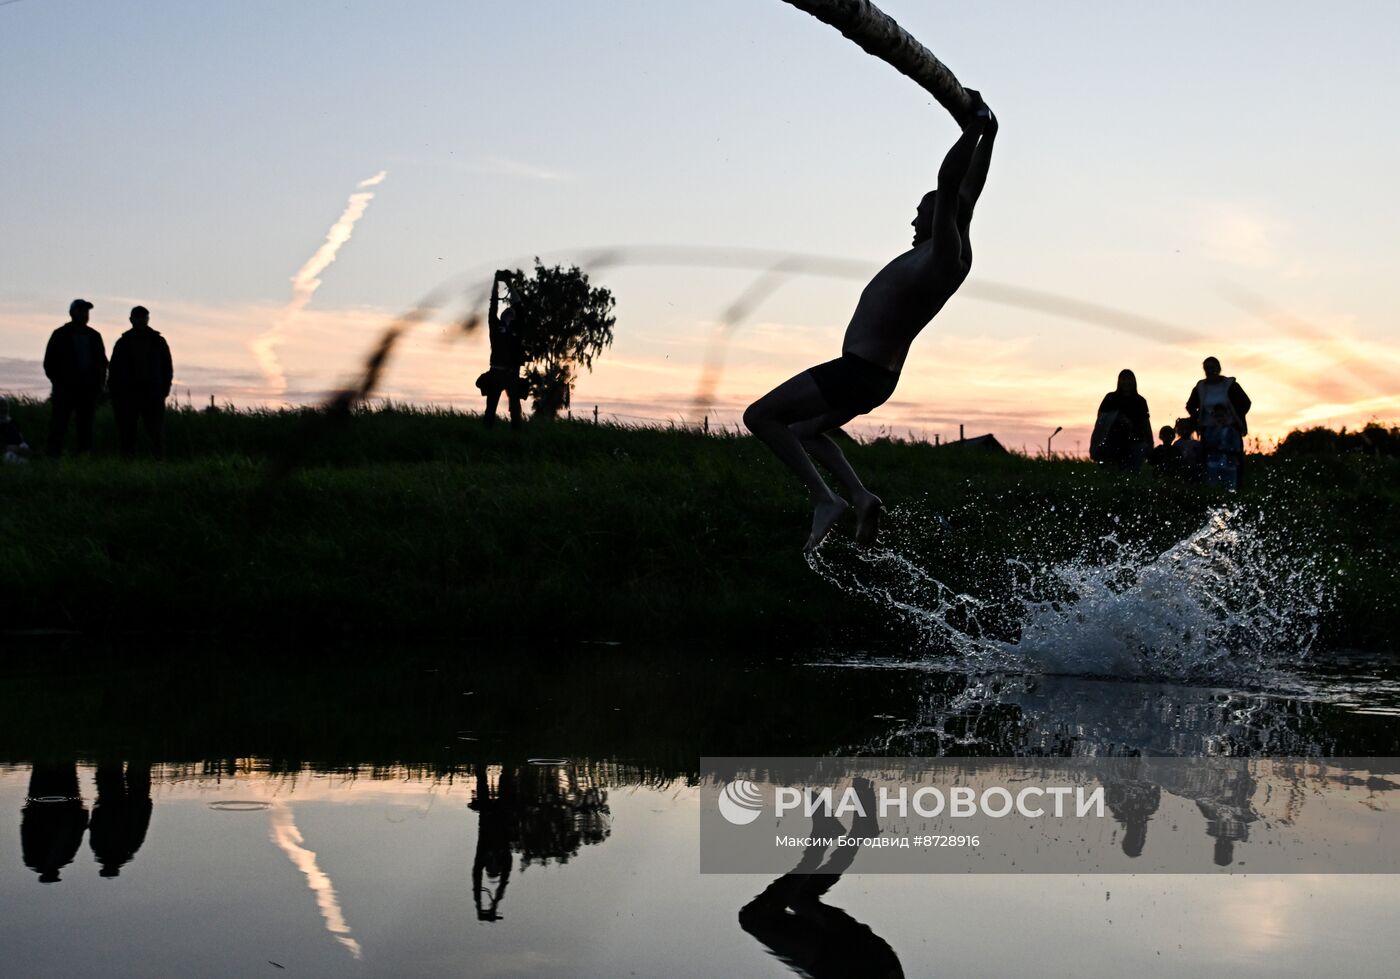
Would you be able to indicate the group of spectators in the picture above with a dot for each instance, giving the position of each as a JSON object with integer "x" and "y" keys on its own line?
{"x": 137, "y": 379}
{"x": 1206, "y": 445}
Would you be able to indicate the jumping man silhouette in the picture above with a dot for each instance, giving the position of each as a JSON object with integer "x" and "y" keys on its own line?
{"x": 796, "y": 417}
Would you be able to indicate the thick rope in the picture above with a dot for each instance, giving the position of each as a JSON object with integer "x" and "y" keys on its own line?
{"x": 877, "y": 33}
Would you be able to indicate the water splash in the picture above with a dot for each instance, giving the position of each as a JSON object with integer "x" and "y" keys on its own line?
{"x": 1232, "y": 599}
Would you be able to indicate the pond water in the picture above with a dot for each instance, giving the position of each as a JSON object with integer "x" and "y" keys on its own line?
{"x": 467, "y": 814}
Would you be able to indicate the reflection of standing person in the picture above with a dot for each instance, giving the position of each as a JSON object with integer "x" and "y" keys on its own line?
{"x": 1133, "y": 802}
{"x": 507, "y": 357}
{"x": 53, "y": 820}
{"x": 1123, "y": 430}
{"x": 1227, "y": 803}
{"x": 139, "y": 382}
{"x": 121, "y": 815}
{"x": 542, "y": 812}
{"x": 795, "y": 418}
{"x": 75, "y": 362}
{"x": 496, "y": 811}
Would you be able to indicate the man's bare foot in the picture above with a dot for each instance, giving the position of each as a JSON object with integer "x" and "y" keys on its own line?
{"x": 868, "y": 509}
{"x": 824, "y": 517}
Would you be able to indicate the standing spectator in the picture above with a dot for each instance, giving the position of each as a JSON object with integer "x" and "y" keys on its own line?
{"x": 139, "y": 382}
{"x": 1217, "y": 390}
{"x": 1123, "y": 432}
{"x": 75, "y": 362}
{"x": 13, "y": 447}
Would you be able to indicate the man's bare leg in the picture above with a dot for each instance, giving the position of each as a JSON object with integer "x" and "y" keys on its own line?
{"x": 867, "y": 504}
{"x": 824, "y": 449}
{"x": 771, "y": 418}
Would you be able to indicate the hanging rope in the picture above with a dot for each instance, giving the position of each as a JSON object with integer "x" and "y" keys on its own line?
{"x": 878, "y": 34}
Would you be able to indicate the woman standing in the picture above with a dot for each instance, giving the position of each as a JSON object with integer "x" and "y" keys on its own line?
{"x": 1123, "y": 431}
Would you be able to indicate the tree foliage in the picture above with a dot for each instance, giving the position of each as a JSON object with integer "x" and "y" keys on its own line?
{"x": 1374, "y": 439}
{"x": 564, "y": 324}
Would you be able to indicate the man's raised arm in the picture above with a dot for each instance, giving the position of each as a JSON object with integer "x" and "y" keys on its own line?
{"x": 493, "y": 321}
{"x": 951, "y": 174}
{"x": 976, "y": 177}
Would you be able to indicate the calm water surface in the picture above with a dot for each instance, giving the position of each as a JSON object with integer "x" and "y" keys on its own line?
{"x": 435, "y": 818}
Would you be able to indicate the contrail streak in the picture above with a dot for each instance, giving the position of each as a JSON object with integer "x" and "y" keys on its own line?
{"x": 289, "y": 840}
{"x": 470, "y": 290}
{"x": 307, "y": 281}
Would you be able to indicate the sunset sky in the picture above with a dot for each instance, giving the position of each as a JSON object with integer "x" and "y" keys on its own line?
{"x": 1211, "y": 179}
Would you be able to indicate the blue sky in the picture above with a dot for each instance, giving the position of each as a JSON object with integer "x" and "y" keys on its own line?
{"x": 191, "y": 156}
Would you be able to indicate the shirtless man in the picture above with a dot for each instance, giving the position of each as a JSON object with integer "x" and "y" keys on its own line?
{"x": 794, "y": 418}
{"x": 507, "y": 357}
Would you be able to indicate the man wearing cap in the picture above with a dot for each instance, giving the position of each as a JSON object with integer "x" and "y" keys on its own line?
{"x": 139, "y": 382}
{"x": 76, "y": 364}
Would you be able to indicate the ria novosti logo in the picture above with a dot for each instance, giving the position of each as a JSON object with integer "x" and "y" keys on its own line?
{"x": 740, "y": 802}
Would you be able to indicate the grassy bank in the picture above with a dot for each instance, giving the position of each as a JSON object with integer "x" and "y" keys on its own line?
{"x": 424, "y": 524}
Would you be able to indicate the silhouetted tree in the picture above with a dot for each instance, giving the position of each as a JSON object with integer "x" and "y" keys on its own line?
{"x": 563, "y": 324}
{"x": 1374, "y": 439}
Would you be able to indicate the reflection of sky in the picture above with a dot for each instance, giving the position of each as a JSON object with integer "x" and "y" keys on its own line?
{"x": 1162, "y": 160}
{"x": 209, "y": 895}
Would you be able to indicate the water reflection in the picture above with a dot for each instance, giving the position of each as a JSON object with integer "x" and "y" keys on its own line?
{"x": 543, "y": 812}
{"x": 1223, "y": 793}
{"x": 811, "y": 937}
{"x": 121, "y": 815}
{"x": 54, "y": 818}
{"x": 289, "y": 840}
{"x": 1023, "y": 714}
{"x": 257, "y": 738}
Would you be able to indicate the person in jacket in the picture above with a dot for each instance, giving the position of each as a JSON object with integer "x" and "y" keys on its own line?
{"x": 75, "y": 362}
{"x": 1224, "y": 450}
{"x": 139, "y": 382}
{"x": 1123, "y": 431}
{"x": 1217, "y": 390}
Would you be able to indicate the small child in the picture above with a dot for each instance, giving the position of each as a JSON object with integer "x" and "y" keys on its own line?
{"x": 1189, "y": 461}
{"x": 1224, "y": 449}
{"x": 1162, "y": 459}
{"x": 13, "y": 447}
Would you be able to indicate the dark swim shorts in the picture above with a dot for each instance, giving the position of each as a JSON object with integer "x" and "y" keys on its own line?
{"x": 853, "y": 384}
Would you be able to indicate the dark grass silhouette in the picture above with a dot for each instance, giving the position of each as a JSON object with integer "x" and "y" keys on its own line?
{"x": 419, "y": 522}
